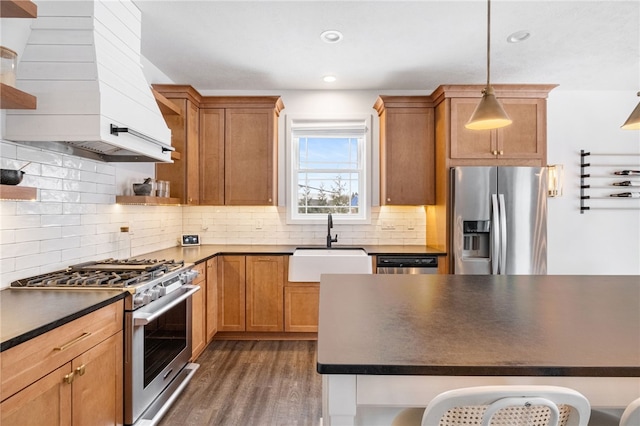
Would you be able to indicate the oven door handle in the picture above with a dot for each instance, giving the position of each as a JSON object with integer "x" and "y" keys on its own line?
{"x": 144, "y": 318}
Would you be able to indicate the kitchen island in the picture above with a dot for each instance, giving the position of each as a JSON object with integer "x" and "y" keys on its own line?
{"x": 399, "y": 340}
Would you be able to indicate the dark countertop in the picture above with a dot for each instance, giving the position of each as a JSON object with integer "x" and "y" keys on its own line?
{"x": 479, "y": 325}
{"x": 200, "y": 253}
{"x": 27, "y": 313}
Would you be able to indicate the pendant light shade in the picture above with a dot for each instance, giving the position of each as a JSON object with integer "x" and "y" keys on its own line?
{"x": 633, "y": 122}
{"x": 489, "y": 114}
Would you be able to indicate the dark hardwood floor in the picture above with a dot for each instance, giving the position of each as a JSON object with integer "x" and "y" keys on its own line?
{"x": 262, "y": 383}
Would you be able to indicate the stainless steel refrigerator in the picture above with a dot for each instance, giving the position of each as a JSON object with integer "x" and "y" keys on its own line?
{"x": 499, "y": 223}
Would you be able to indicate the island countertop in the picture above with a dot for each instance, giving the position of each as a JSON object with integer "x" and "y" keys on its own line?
{"x": 462, "y": 325}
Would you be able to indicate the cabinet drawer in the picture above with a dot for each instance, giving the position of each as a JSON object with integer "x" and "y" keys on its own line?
{"x": 24, "y": 364}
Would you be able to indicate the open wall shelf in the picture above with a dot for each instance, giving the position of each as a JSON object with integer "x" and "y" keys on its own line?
{"x": 610, "y": 182}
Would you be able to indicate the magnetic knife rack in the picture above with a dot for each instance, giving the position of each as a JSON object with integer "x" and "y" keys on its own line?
{"x": 585, "y": 177}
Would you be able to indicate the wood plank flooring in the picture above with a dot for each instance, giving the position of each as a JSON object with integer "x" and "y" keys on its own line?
{"x": 247, "y": 383}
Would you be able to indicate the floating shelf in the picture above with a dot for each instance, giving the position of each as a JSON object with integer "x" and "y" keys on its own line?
{"x": 13, "y": 192}
{"x": 18, "y": 9}
{"x": 146, "y": 200}
{"x": 12, "y": 98}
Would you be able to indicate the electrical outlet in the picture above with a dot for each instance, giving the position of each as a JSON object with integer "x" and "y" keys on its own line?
{"x": 411, "y": 225}
{"x": 259, "y": 223}
{"x": 388, "y": 226}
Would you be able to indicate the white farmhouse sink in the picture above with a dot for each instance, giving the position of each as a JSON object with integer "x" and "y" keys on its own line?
{"x": 306, "y": 265}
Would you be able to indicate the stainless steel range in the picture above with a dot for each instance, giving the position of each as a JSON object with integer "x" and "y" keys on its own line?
{"x": 157, "y": 326}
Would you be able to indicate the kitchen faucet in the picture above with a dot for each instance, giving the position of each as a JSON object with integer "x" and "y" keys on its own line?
{"x": 329, "y": 226}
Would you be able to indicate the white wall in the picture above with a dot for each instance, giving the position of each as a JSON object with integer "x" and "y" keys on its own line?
{"x": 598, "y": 241}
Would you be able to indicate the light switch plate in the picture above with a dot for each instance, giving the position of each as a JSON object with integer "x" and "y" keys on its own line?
{"x": 190, "y": 239}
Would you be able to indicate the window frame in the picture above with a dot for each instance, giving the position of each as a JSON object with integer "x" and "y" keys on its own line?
{"x": 333, "y": 124}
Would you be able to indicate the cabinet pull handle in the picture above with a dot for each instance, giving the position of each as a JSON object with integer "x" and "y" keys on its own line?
{"x": 72, "y": 342}
{"x": 494, "y": 152}
{"x": 388, "y": 200}
{"x": 81, "y": 370}
{"x": 68, "y": 378}
{"x": 501, "y": 152}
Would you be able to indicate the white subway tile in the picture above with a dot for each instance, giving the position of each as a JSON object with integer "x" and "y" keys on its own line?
{"x": 81, "y": 230}
{"x": 8, "y": 207}
{"x": 8, "y": 236}
{"x": 38, "y": 156}
{"x": 20, "y": 222}
{"x": 77, "y": 208}
{"x": 19, "y": 249}
{"x": 39, "y": 208}
{"x": 7, "y": 150}
{"x": 80, "y": 163}
{"x": 48, "y": 170}
{"x": 61, "y": 220}
{"x": 59, "y": 244}
{"x": 38, "y": 234}
{"x": 86, "y": 252}
{"x": 86, "y": 197}
{"x": 59, "y": 196}
{"x": 106, "y": 169}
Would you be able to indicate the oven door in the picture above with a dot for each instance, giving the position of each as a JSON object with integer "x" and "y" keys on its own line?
{"x": 157, "y": 348}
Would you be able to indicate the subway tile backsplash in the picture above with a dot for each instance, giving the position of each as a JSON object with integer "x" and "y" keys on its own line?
{"x": 75, "y": 219}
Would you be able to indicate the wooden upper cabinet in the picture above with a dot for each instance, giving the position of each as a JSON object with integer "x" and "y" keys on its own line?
{"x": 250, "y": 157}
{"x": 183, "y": 173}
{"x": 524, "y": 139}
{"x": 212, "y": 149}
{"x": 407, "y": 150}
{"x": 523, "y": 143}
{"x": 239, "y": 140}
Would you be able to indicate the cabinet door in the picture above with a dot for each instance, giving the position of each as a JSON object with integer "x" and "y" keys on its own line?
{"x": 472, "y": 144}
{"x": 212, "y": 298}
{"x": 45, "y": 402}
{"x": 250, "y": 162}
{"x": 198, "y": 309}
{"x": 97, "y": 386}
{"x": 301, "y": 308}
{"x": 521, "y": 143}
{"x": 524, "y": 138}
{"x": 212, "y": 156}
{"x": 265, "y": 284}
{"x": 231, "y": 293}
{"x": 407, "y": 156}
{"x": 193, "y": 154}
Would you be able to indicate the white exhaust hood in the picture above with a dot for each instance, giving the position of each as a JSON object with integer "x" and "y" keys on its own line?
{"x": 82, "y": 62}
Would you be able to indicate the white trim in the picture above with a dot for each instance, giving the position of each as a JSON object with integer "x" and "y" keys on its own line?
{"x": 357, "y": 122}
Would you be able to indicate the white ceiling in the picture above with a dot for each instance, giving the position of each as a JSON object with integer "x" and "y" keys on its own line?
{"x": 392, "y": 45}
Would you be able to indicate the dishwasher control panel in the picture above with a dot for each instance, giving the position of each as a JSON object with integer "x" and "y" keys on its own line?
{"x": 407, "y": 261}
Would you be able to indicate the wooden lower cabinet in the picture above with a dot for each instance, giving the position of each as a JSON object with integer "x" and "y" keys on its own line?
{"x": 79, "y": 388}
{"x": 264, "y": 292}
{"x": 301, "y": 303}
{"x": 250, "y": 293}
{"x": 198, "y": 313}
{"x": 212, "y": 298}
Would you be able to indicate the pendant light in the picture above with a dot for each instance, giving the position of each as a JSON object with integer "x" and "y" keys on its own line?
{"x": 633, "y": 122}
{"x": 489, "y": 114}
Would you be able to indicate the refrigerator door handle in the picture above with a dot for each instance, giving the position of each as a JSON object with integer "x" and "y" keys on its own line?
{"x": 495, "y": 234}
{"x": 503, "y": 235}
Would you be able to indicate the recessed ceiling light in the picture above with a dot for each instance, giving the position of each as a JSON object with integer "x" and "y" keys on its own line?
{"x": 519, "y": 36}
{"x": 331, "y": 36}
{"x": 329, "y": 78}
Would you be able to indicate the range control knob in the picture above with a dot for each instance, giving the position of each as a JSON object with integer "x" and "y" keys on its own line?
{"x": 142, "y": 299}
{"x": 155, "y": 293}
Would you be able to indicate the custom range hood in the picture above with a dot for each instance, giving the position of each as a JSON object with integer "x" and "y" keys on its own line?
{"x": 82, "y": 62}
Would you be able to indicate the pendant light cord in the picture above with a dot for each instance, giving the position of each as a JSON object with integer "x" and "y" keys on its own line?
{"x": 488, "y": 41}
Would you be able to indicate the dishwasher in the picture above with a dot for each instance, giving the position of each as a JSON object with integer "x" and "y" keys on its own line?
{"x": 407, "y": 264}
